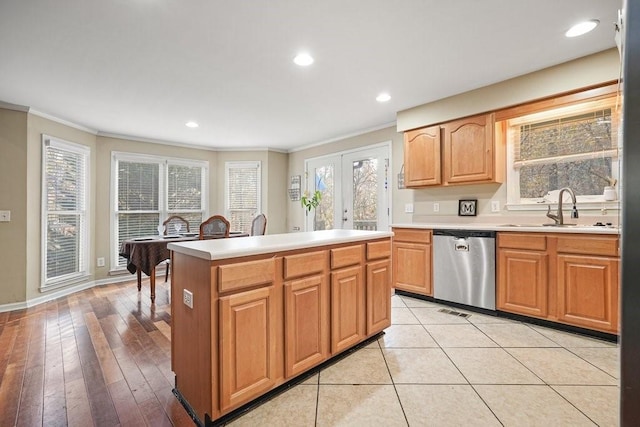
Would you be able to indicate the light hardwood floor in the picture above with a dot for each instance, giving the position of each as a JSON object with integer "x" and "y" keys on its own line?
{"x": 98, "y": 357}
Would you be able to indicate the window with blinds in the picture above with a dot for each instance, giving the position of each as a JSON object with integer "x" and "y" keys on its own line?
{"x": 574, "y": 147}
{"x": 64, "y": 211}
{"x": 149, "y": 190}
{"x": 242, "y": 194}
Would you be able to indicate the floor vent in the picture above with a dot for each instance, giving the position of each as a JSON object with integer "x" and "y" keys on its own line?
{"x": 454, "y": 313}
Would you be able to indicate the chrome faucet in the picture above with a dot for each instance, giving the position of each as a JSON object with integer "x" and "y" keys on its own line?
{"x": 558, "y": 218}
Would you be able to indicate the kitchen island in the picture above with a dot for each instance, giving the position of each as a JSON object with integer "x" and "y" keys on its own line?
{"x": 251, "y": 314}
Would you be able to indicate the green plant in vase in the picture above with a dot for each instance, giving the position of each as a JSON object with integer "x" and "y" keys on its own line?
{"x": 311, "y": 202}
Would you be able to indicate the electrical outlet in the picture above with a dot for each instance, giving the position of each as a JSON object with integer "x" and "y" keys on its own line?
{"x": 436, "y": 207}
{"x": 5, "y": 216}
{"x": 100, "y": 262}
{"x": 495, "y": 206}
{"x": 187, "y": 298}
{"x": 408, "y": 208}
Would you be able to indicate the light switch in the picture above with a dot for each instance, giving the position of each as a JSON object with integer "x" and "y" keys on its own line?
{"x": 5, "y": 216}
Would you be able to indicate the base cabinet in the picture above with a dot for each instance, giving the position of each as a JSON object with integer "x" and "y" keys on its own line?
{"x": 567, "y": 278}
{"x": 412, "y": 261}
{"x": 306, "y": 323}
{"x": 347, "y": 308}
{"x": 378, "y": 296}
{"x": 523, "y": 283}
{"x": 588, "y": 291}
{"x": 247, "y": 346}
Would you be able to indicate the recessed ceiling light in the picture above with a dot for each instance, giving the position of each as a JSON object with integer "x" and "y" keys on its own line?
{"x": 383, "y": 97}
{"x": 191, "y": 124}
{"x": 582, "y": 28}
{"x": 303, "y": 59}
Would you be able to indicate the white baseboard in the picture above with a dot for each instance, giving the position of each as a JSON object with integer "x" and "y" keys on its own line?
{"x": 49, "y": 296}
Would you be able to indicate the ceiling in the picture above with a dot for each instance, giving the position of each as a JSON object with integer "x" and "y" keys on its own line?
{"x": 143, "y": 68}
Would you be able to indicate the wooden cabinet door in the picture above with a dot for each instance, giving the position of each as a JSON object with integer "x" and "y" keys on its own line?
{"x": 422, "y": 157}
{"x": 588, "y": 291}
{"x": 522, "y": 282}
{"x": 347, "y": 308}
{"x": 468, "y": 150}
{"x": 378, "y": 296}
{"x": 412, "y": 267}
{"x": 306, "y": 323}
{"x": 247, "y": 345}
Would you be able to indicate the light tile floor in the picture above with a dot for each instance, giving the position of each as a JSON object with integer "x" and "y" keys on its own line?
{"x": 437, "y": 369}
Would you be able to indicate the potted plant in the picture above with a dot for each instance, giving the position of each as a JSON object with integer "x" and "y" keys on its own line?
{"x": 311, "y": 202}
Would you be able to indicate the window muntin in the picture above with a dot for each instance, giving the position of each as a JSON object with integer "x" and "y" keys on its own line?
{"x": 242, "y": 194}
{"x": 575, "y": 146}
{"x": 149, "y": 189}
{"x": 65, "y": 177}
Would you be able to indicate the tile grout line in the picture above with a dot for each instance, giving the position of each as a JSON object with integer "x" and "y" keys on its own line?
{"x": 393, "y": 383}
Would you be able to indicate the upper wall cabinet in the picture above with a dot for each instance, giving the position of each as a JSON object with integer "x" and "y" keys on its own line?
{"x": 422, "y": 157}
{"x": 469, "y": 154}
{"x": 472, "y": 153}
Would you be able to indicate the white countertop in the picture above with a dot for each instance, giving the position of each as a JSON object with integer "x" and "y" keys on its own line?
{"x": 255, "y": 245}
{"x": 535, "y": 228}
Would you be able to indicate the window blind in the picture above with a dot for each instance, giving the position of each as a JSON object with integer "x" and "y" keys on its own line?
{"x": 64, "y": 210}
{"x": 184, "y": 196}
{"x": 242, "y": 194}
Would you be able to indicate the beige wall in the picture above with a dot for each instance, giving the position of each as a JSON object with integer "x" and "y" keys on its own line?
{"x": 13, "y": 197}
{"x": 587, "y": 71}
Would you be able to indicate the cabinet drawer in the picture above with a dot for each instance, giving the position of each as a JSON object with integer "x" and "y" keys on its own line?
{"x": 377, "y": 250}
{"x": 411, "y": 235}
{"x": 536, "y": 242}
{"x": 589, "y": 245}
{"x": 343, "y": 257}
{"x": 304, "y": 264}
{"x": 246, "y": 274}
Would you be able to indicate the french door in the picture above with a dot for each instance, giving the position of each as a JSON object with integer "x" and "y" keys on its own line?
{"x": 354, "y": 187}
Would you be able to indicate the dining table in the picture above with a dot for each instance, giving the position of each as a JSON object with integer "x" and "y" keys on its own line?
{"x": 144, "y": 253}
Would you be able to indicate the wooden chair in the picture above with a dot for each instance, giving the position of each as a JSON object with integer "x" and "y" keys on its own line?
{"x": 214, "y": 227}
{"x": 170, "y": 225}
{"x": 170, "y": 228}
{"x": 259, "y": 225}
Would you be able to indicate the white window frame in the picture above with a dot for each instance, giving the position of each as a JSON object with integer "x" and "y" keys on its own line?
{"x": 84, "y": 238}
{"x": 516, "y": 203}
{"x": 163, "y": 189}
{"x": 243, "y": 165}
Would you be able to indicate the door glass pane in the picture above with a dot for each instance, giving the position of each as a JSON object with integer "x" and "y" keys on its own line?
{"x": 365, "y": 194}
{"x": 325, "y": 183}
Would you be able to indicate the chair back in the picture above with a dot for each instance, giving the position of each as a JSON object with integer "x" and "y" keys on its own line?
{"x": 170, "y": 225}
{"x": 259, "y": 225}
{"x": 214, "y": 227}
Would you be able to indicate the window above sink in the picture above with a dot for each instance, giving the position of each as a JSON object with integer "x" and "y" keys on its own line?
{"x": 563, "y": 142}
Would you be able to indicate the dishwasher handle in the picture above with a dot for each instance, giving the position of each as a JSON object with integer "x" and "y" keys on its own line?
{"x": 461, "y": 244}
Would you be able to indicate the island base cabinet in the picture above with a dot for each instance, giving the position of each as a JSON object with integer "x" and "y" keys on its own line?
{"x": 306, "y": 323}
{"x": 347, "y": 308}
{"x": 378, "y": 296}
{"x": 588, "y": 292}
{"x": 247, "y": 346}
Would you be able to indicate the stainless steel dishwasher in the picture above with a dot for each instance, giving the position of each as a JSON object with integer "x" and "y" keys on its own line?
{"x": 464, "y": 267}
